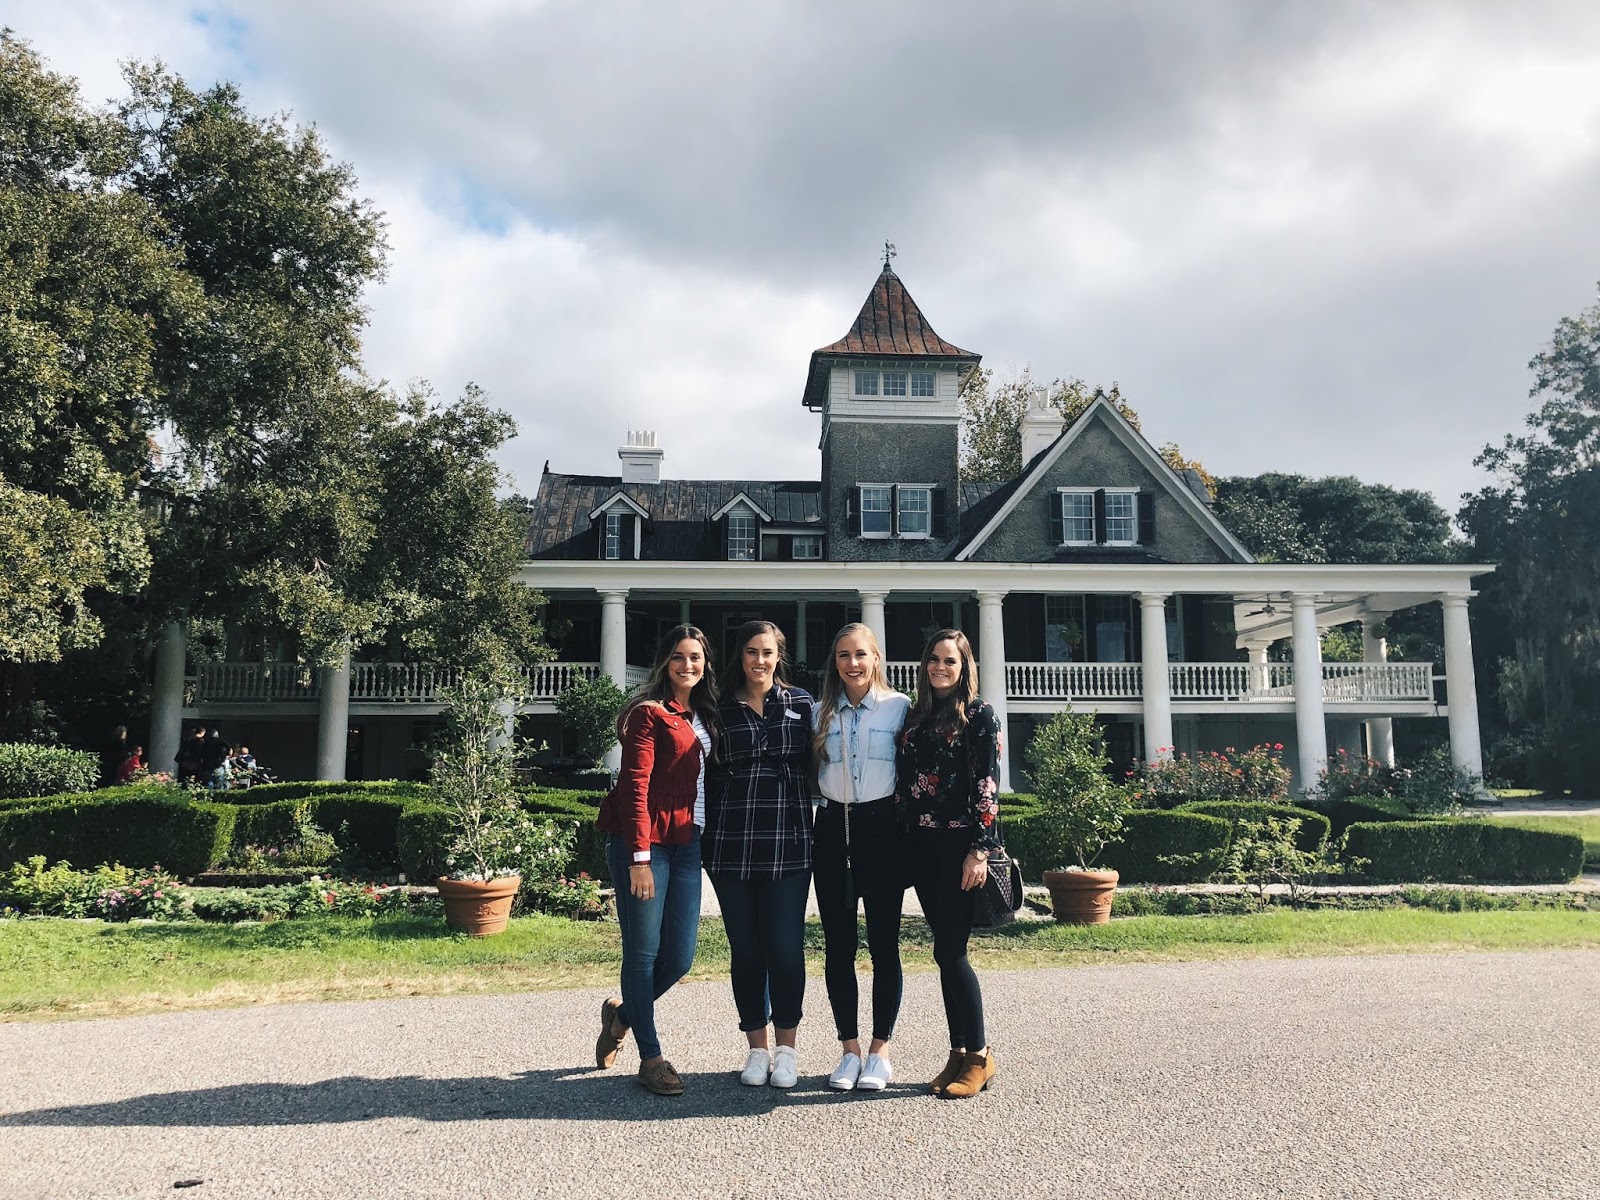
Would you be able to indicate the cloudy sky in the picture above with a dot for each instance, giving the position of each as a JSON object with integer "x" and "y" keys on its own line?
{"x": 1313, "y": 237}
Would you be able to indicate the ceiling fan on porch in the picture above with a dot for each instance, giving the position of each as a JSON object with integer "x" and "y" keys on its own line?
{"x": 1268, "y": 609}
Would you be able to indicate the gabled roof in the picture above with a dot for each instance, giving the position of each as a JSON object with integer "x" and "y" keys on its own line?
{"x": 679, "y": 511}
{"x": 742, "y": 497}
{"x": 611, "y": 502}
{"x": 889, "y": 325}
{"x": 1003, "y": 502}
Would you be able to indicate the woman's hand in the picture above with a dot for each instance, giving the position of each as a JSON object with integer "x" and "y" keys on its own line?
{"x": 974, "y": 872}
{"x": 642, "y": 881}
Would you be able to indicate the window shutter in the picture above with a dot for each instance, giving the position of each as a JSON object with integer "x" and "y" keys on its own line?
{"x": 941, "y": 513}
{"x": 1147, "y": 518}
{"x": 722, "y": 536}
{"x": 894, "y": 510}
{"x": 626, "y": 549}
{"x": 786, "y": 548}
{"x": 1058, "y": 527}
{"x": 600, "y": 536}
{"x": 1100, "y": 516}
{"x": 853, "y": 507}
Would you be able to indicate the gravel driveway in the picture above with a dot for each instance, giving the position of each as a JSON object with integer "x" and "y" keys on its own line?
{"x": 1428, "y": 1076}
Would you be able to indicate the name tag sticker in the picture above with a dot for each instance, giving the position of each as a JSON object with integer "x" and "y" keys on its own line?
{"x": 791, "y": 714}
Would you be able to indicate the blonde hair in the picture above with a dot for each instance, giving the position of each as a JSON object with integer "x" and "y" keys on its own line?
{"x": 948, "y": 713}
{"x": 833, "y": 686}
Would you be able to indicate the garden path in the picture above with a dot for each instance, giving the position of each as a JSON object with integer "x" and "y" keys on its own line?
{"x": 1456, "y": 1076}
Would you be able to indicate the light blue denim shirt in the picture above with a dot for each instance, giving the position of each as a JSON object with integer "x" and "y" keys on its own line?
{"x": 864, "y": 736}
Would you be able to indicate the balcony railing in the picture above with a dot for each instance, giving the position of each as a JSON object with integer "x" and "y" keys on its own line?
{"x": 420, "y": 683}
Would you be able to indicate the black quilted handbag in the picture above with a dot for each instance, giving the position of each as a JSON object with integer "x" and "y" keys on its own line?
{"x": 997, "y": 901}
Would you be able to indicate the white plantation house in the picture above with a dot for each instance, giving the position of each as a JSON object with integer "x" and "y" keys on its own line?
{"x": 1099, "y": 578}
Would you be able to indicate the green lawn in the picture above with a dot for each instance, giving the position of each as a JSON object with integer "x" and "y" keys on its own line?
{"x": 1587, "y": 827}
{"x": 87, "y": 968}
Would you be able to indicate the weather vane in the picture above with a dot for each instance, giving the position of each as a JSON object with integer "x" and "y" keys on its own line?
{"x": 888, "y": 252}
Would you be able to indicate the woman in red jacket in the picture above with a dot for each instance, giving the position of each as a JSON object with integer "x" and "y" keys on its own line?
{"x": 654, "y": 816}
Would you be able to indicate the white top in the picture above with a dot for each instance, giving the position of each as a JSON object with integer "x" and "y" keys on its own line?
{"x": 700, "y": 783}
{"x": 863, "y": 737}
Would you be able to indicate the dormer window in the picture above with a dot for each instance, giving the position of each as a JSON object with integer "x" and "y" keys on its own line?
{"x": 742, "y": 536}
{"x": 1102, "y": 517}
{"x": 619, "y": 526}
{"x": 613, "y": 535}
{"x": 806, "y": 547}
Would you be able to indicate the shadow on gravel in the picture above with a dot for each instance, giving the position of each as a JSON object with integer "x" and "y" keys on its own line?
{"x": 557, "y": 1095}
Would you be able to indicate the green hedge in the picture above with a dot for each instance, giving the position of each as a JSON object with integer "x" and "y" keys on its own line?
{"x": 1314, "y": 827}
{"x": 1457, "y": 851}
{"x": 157, "y": 827}
{"x": 27, "y": 770}
{"x": 421, "y": 834}
{"x": 1364, "y": 809}
{"x": 583, "y": 808}
{"x": 271, "y": 793}
{"x": 1151, "y": 834}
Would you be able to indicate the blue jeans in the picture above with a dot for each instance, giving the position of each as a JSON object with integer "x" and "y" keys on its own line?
{"x": 658, "y": 935}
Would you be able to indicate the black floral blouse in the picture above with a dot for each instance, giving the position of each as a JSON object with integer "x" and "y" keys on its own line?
{"x": 951, "y": 781}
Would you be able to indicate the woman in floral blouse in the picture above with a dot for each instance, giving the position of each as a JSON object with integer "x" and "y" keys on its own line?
{"x": 947, "y": 784}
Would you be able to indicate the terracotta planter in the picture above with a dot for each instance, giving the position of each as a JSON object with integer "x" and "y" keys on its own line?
{"x": 1081, "y": 897}
{"x": 478, "y": 909}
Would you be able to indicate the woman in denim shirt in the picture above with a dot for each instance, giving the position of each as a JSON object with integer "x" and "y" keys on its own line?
{"x": 860, "y": 847}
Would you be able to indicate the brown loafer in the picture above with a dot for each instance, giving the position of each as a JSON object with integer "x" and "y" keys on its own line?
{"x": 952, "y": 1068}
{"x": 660, "y": 1077}
{"x": 605, "y": 1046}
{"x": 976, "y": 1075}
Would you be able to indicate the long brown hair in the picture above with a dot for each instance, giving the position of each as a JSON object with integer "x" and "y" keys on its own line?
{"x": 833, "y": 686}
{"x": 657, "y": 687}
{"x": 733, "y": 676}
{"x": 948, "y": 713}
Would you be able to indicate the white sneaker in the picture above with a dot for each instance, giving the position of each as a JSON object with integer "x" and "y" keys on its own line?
{"x": 757, "y": 1066}
{"x": 877, "y": 1073}
{"x": 785, "y": 1068}
{"x": 844, "y": 1075}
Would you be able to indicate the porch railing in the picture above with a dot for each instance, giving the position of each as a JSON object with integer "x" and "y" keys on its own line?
{"x": 421, "y": 683}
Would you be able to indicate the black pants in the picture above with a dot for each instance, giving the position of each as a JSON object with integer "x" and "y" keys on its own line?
{"x": 937, "y": 855}
{"x": 877, "y": 876}
{"x": 765, "y": 920}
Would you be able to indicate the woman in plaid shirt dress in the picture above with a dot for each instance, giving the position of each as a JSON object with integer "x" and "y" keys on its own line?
{"x": 757, "y": 846}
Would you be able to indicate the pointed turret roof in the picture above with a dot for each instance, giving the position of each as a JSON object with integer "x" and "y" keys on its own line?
{"x": 889, "y": 325}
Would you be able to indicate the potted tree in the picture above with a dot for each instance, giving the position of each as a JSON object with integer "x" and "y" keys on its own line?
{"x": 1079, "y": 811}
{"x": 473, "y": 779}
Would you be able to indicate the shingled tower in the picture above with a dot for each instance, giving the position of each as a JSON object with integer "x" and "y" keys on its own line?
{"x": 889, "y": 394}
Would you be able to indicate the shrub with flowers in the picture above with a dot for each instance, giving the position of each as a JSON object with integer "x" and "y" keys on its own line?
{"x": 577, "y": 897}
{"x": 58, "y": 891}
{"x": 1432, "y": 784}
{"x": 156, "y": 896}
{"x": 1258, "y": 773}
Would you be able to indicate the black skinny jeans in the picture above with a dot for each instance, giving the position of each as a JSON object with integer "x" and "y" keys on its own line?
{"x": 765, "y": 920}
{"x": 937, "y": 855}
{"x": 877, "y": 876}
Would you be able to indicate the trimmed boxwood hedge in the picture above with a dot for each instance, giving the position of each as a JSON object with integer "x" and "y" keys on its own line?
{"x": 27, "y": 770}
{"x": 1149, "y": 835}
{"x": 156, "y": 827}
{"x": 1464, "y": 851}
{"x": 1344, "y": 813}
{"x": 1314, "y": 827}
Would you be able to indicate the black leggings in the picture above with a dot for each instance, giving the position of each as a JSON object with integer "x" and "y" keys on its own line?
{"x": 877, "y": 876}
{"x": 938, "y": 855}
{"x": 765, "y": 920}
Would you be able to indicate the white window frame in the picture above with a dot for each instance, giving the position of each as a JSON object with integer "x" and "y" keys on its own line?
{"x": 924, "y": 384}
{"x": 613, "y": 520}
{"x": 812, "y": 540}
{"x": 743, "y": 519}
{"x": 895, "y": 383}
{"x": 1132, "y": 517}
{"x": 1067, "y": 519}
{"x": 887, "y": 492}
{"x": 925, "y": 491}
{"x": 869, "y": 378}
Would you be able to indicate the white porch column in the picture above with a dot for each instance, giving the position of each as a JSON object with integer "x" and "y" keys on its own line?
{"x": 1258, "y": 666}
{"x": 992, "y": 671}
{"x": 1380, "y": 730}
{"x": 166, "y": 699}
{"x": 1157, "y": 684}
{"x": 1310, "y": 728}
{"x": 800, "y": 647}
{"x": 333, "y": 719}
{"x": 872, "y": 615}
{"x": 614, "y": 652}
{"x": 1462, "y": 686}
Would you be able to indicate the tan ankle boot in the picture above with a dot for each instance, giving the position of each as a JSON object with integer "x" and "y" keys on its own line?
{"x": 977, "y": 1072}
{"x": 952, "y": 1068}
